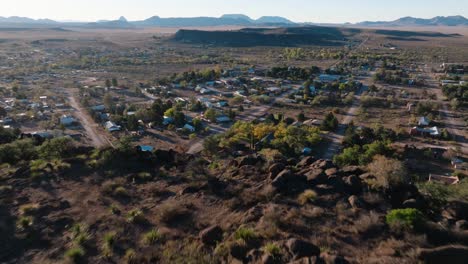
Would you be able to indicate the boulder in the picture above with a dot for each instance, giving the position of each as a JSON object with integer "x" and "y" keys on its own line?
{"x": 288, "y": 182}
{"x": 351, "y": 170}
{"x": 367, "y": 176}
{"x": 355, "y": 202}
{"x": 306, "y": 161}
{"x": 336, "y": 183}
{"x": 300, "y": 249}
{"x": 323, "y": 164}
{"x": 253, "y": 256}
{"x": 331, "y": 171}
{"x": 211, "y": 235}
{"x": 268, "y": 259}
{"x": 275, "y": 169}
{"x": 238, "y": 251}
{"x": 455, "y": 254}
{"x": 353, "y": 184}
{"x": 316, "y": 176}
{"x": 247, "y": 171}
{"x": 249, "y": 160}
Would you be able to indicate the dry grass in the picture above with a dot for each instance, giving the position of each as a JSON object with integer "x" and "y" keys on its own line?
{"x": 172, "y": 213}
{"x": 307, "y": 196}
{"x": 368, "y": 223}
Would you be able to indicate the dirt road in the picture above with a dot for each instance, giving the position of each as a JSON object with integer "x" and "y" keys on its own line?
{"x": 98, "y": 140}
{"x": 336, "y": 138}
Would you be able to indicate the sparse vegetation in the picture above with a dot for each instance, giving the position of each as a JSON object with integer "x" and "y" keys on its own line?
{"x": 245, "y": 234}
{"x": 307, "y": 196}
{"x": 152, "y": 237}
{"x": 406, "y": 219}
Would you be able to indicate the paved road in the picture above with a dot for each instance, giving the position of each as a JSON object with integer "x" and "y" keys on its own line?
{"x": 98, "y": 140}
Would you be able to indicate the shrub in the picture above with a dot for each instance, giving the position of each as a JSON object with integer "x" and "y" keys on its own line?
{"x": 114, "y": 209}
{"x": 135, "y": 216}
{"x": 109, "y": 239}
{"x": 24, "y": 222}
{"x": 245, "y": 234}
{"x": 75, "y": 254}
{"x": 388, "y": 172}
{"x": 57, "y": 148}
{"x": 152, "y": 237}
{"x": 121, "y": 192}
{"x": 130, "y": 255}
{"x": 406, "y": 219}
{"x": 272, "y": 249}
{"x": 307, "y": 196}
{"x": 368, "y": 223}
{"x": 144, "y": 176}
{"x": 80, "y": 234}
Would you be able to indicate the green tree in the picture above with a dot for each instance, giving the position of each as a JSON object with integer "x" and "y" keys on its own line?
{"x": 211, "y": 115}
{"x": 132, "y": 123}
{"x": 301, "y": 117}
{"x": 108, "y": 102}
{"x": 56, "y": 148}
{"x": 330, "y": 123}
{"x": 211, "y": 145}
{"x": 115, "y": 83}
{"x": 179, "y": 119}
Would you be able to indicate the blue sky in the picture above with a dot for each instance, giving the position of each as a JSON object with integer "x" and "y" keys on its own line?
{"x": 325, "y": 11}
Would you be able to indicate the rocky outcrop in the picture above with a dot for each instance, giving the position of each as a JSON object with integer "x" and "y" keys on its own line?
{"x": 447, "y": 254}
{"x": 289, "y": 182}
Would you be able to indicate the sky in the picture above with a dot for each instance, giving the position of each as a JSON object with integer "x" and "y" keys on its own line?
{"x": 319, "y": 11}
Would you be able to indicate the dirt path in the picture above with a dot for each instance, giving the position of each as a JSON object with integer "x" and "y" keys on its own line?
{"x": 98, "y": 140}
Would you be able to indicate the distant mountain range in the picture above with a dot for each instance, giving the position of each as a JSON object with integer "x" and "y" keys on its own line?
{"x": 156, "y": 21}
{"x": 225, "y": 20}
{"x": 412, "y": 21}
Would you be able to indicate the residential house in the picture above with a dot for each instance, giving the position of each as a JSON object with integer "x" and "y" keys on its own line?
{"x": 423, "y": 121}
{"x": 168, "y": 120}
{"x": 431, "y": 131}
{"x": 223, "y": 119}
{"x": 222, "y": 104}
{"x": 112, "y": 127}
{"x": 189, "y": 128}
{"x": 67, "y": 120}
{"x": 98, "y": 108}
{"x": 328, "y": 78}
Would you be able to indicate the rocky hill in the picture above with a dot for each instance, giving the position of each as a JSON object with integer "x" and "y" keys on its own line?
{"x": 116, "y": 206}
{"x": 291, "y": 36}
{"x": 412, "y": 21}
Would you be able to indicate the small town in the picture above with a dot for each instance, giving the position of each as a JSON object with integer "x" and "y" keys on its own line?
{"x": 194, "y": 137}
